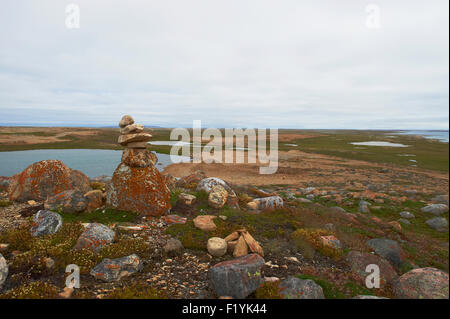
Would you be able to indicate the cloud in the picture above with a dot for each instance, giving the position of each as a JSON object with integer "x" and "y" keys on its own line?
{"x": 296, "y": 64}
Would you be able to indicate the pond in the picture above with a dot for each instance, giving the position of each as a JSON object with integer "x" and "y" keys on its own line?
{"x": 91, "y": 162}
{"x": 379, "y": 143}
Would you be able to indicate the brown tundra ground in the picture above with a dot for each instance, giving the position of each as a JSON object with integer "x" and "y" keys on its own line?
{"x": 320, "y": 166}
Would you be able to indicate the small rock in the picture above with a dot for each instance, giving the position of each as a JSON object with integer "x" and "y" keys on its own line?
{"x": 66, "y": 293}
{"x": 237, "y": 278}
{"x": 173, "y": 247}
{"x": 407, "y": 215}
{"x": 218, "y": 196}
{"x": 94, "y": 200}
{"x": 125, "y": 121}
{"x": 303, "y": 200}
{"x": 174, "y": 219}
{"x": 45, "y": 223}
{"x": 271, "y": 279}
{"x": 187, "y": 199}
{"x": 331, "y": 241}
{"x": 217, "y": 247}
{"x": 435, "y": 209}
{"x": 241, "y": 248}
{"x": 388, "y": 249}
{"x": 266, "y": 203}
{"x": 364, "y": 207}
{"x": 296, "y": 288}
{"x": 396, "y": 225}
{"x": 95, "y": 237}
{"x": 114, "y": 269}
{"x": 4, "y": 247}
{"x": 368, "y": 297}
{"x": 3, "y": 270}
{"x": 49, "y": 262}
{"x": 438, "y": 223}
{"x": 422, "y": 283}
{"x": 205, "y": 222}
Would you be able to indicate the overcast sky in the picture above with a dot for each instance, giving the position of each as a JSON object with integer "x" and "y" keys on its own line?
{"x": 228, "y": 63}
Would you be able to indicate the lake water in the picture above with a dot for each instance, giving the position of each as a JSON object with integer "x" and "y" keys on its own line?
{"x": 91, "y": 162}
{"x": 435, "y": 135}
{"x": 380, "y": 143}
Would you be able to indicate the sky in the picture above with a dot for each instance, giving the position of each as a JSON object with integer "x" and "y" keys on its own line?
{"x": 236, "y": 63}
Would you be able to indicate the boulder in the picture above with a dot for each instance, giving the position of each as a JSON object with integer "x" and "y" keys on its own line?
{"x": 296, "y": 288}
{"x": 237, "y": 278}
{"x": 205, "y": 222}
{"x": 216, "y": 246}
{"x": 70, "y": 201}
{"x": 94, "y": 200}
{"x": 141, "y": 190}
{"x": 95, "y": 237}
{"x": 110, "y": 270}
{"x": 46, "y": 179}
{"x": 358, "y": 261}
{"x": 45, "y": 223}
{"x": 3, "y": 270}
{"x": 218, "y": 196}
{"x": 173, "y": 247}
{"x": 266, "y": 203}
{"x": 422, "y": 283}
{"x": 438, "y": 223}
{"x": 388, "y": 249}
{"x": 435, "y": 209}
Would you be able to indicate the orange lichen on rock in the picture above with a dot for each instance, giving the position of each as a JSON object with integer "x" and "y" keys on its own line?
{"x": 45, "y": 179}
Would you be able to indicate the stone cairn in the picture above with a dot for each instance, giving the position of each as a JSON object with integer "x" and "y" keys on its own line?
{"x": 136, "y": 184}
{"x": 135, "y": 141}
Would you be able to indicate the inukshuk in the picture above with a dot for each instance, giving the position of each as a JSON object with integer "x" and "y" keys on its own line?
{"x": 136, "y": 184}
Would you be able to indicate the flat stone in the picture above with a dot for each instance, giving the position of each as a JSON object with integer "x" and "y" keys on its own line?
{"x": 205, "y": 222}
{"x": 173, "y": 247}
{"x": 95, "y": 237}
{"x": 110, "y": 270}
{"x": 129, "y": 138}
{"x": 132, "y": 128}
{"x": 438, "y": 223}
{"x": 435, "y": 209}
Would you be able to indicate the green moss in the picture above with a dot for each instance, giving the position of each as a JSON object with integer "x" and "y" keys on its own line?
{"x": 102, "y": 216}
{"x": 330, "y": 290}
{"x": 268, "y": 290}
{"x": 5, "y": 203}
{"x": 137, "y": 291}
{"x": 33, "y": 290}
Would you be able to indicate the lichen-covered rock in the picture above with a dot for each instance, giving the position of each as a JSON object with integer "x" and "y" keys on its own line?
{"x": 70, "y": 201}
{"x": 95, "y": 237}
{"x": 126, "y": 139}
{"x": 115, "y": 269}
{"x": 296, "y": 288}
{"x": 192, "y": 179}
{"x": 3, "y": 270}
{"x": 135, "y": 157}
{"x": 358, "y": 261}
{"x": 217, "y": 246}
{"x": 265, "y": 203}
{"x": 141, "y": 190}
{"x": 237, "y": 278}
{"x": 435, "y": 209}
{"x": 218, "y": 196}
{"x": 388, "y": 249}
{"x": 45, "y": 223}
{"x": 422, "y": 283}
{"x": 46, "y": 179}
{"x": 94, "y": 200}
{"x": 208, "y": 183}
{"x": 132, "y": 128}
